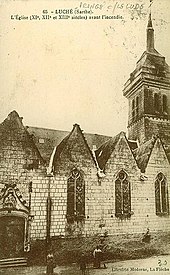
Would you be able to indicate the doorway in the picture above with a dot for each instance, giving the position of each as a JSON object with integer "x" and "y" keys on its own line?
{"x": 12, "y": 231}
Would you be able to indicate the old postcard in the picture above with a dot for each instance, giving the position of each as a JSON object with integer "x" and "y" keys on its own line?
{"x": 85, "y": 137}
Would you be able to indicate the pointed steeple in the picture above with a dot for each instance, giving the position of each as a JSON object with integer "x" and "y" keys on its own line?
{"x": 148, "y": 91}
{"x": 150, "y": 35}
{"x": 150, "y": 21}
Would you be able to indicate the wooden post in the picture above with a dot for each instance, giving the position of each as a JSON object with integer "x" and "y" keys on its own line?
{"x": 27, "y": 243}
{"x": 48, "y": 217}
{"x": 30, "y": 191}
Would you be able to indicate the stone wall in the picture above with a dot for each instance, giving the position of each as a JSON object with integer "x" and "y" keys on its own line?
{"x": 100, "y": 196}
{"x": 142, "y": 193}
{"x": 160, "y": 127}
{"x": 136, "y": 131}
{"x": 149, "y": 121}
{"x": 74, "y": 153}
{"x": 121, "y": 158}
{"x": 20, "y": 164}
{"x": 39, "y": 205}
{"x": 158, "y": 162}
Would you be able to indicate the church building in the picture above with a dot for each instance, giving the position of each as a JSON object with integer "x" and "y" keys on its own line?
{"x": 69, "y": 184}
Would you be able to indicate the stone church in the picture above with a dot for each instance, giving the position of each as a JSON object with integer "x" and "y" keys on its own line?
{"x": 66, "y": 184}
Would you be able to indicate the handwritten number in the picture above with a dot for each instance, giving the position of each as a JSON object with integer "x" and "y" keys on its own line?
{"x": 160, "y": 263}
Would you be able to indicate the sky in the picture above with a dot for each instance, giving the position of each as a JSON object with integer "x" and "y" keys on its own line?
{"x": 56, "y": 73}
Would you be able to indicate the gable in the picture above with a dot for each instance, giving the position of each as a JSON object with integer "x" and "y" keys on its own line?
{"x": 158, "y": 157}
{"x": 17, "y": 146}
{"x": 73, "y": 151}
{"x": 104, "y": 152}
{"x": 116, "y": 150}
{"x": 122, "y": 156}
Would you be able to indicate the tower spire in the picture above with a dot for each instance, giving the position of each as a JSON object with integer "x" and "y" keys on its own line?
{"x": 150, "y": 32}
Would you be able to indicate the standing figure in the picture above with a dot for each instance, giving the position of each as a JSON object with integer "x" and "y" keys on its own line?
{"x": 97, "y": 254}
{"x": 50, "y": 263}
{"x": 83, "y": 264}
{"x": 147, "y": 237}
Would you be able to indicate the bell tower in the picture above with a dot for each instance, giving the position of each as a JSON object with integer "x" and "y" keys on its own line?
{"x": 148, "y": 93}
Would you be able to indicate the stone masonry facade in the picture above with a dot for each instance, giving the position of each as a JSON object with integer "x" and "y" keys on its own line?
{"x": 90, "y": 184}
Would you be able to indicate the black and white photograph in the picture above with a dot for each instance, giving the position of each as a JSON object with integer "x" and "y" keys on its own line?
{"x": 84, "y": 137}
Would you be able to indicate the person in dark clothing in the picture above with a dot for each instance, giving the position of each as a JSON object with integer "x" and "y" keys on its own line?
{"x": 83, "y": 264}
{"x": 50, "y": 263}
{"x": 147, "y": 237}
{"x": 97, "y": 254}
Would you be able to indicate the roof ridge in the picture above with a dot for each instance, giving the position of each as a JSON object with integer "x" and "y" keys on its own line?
{"x": 49, "y": 129}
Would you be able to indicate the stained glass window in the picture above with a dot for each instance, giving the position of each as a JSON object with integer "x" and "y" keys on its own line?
{"x": 161, "y": 195}
{"x": 122, "y": 196}
{"x": 75, "y": 196}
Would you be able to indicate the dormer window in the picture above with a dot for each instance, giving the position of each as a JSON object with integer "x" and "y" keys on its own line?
{"x": 41, "y": 140}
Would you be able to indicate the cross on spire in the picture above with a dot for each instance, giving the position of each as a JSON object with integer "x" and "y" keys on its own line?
{"x": 151, "y": 2}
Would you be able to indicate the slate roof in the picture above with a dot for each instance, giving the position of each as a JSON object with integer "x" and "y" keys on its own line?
{"x": 142, "y": 154}
{"x": 167, "y": 151}
{"x": 106, "y": 149}
{"x": 153, "y": 59}
{"x": 47, "y": 139}
{"x": 133, "y": 144}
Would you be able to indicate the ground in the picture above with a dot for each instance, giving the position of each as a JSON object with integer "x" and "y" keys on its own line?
{"x": 154, "y": 265}
{"x": 121, "y": 253}
{"x": 119, "y": 247}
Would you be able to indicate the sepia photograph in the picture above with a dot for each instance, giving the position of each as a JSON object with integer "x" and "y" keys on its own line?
{"x": 84, "y": 137}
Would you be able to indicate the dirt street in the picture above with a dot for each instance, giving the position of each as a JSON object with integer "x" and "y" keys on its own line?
{"x": 154, "y": 265}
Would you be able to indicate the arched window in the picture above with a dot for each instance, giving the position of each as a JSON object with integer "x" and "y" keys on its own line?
{"x": 135, "y": 108}
{"x": 75, "y": 196}
{"x": 161, "y": 195}
{"x": 122, "y": 196}
{"x": 164, "y": 99}
{"x": 156, "y": 102}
